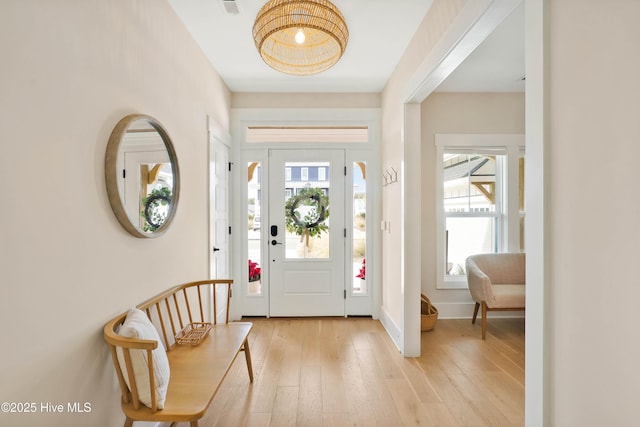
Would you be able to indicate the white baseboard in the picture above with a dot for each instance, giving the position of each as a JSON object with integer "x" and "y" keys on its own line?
{"x": 458, "y": 310}
{"x": 392, "y": 329}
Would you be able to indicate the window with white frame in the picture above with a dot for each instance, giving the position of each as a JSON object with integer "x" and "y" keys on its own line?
{"x": 287, "y": 174}
{"x": 304, "y": 174}
{"x": 322, "y": 174}
{"x": 479, "y": 195}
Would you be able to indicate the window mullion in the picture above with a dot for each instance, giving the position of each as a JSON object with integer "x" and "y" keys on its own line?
{"x": 468, "y": 183}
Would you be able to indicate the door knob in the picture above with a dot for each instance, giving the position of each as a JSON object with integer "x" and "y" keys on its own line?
{"x": 215, "y": 249}
{"x": 275, "y": 242}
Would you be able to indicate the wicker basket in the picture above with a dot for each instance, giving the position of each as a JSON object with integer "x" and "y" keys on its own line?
{"x": 193, "y": 333}
{"x": 428, "y": 314}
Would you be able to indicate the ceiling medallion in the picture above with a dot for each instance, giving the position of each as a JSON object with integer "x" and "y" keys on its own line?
{"x": 300, "y": 37}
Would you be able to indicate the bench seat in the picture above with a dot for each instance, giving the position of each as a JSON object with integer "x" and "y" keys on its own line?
{"x": 196, "y": 375}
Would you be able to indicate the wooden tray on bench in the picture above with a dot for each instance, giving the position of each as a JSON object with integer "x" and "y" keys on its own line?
{"x": 193, "y": 333}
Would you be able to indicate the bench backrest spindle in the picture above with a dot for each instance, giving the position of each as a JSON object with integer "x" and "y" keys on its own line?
{"x": 200, "y": 304}
{"x": 162, "y": 327}
{"x": 186, "y": 299}
{"x": 175, "y": 302}
{"x": 173, "y": 326}
{"x": 152, "y": 383}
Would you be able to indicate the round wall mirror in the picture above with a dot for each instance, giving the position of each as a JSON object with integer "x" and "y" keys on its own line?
{"x": 142, "y": 175}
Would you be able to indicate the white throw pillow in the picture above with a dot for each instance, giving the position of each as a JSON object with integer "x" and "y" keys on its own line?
{"x": 137, "y": 325}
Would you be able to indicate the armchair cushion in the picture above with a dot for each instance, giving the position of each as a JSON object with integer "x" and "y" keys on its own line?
{"x": 507, "y": 296}
{"x": 497, "y": 279}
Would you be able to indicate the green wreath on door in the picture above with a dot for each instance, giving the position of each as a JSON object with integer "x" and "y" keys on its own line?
{"x": 155, "y": 207}
{"x": 311, "y": 223}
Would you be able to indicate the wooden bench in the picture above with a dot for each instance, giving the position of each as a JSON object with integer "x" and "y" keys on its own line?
{"x": 196, "y": 371}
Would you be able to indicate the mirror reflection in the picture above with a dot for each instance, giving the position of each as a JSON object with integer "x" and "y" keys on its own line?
{"x": 142, "y": 176}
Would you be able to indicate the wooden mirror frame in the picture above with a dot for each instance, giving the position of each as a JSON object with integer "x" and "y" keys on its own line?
{"x": 112, "y": 174}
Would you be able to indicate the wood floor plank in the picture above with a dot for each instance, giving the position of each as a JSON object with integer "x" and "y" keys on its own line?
{"x": 336, "y": 420}
{"x": 257, "y": 419}
{"x": 263, "y": 389}
{"x": 291, "y": 333}
{"x": 387, "y": 355}
{"x": 412, "y": 411}
{"x": 378, "y": 393}
{"x": 310, "y": 397}
{"x": 286, "y": 399}
{"x": 236, "y": 409}
{"x": 440, "y": 415}
{"x": 419, "y": 382}
{"x": 333, "y": 397}
{"x": 357, "y": 400}
{"x": 333, "y": 392}
{"x": 504, "y": 394}
{"x": 285, "y": 407}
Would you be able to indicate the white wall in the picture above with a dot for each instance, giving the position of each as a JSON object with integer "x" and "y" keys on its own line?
{"x": 70, "y": 70}
{"x": 457, "y": 113}
{"x": 304, "y": 100}
{"x": 594, "y": 213}
{"x": 431, "y": 30}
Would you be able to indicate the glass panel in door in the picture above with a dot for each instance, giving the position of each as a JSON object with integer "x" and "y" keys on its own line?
{"x": 307, "y": 210}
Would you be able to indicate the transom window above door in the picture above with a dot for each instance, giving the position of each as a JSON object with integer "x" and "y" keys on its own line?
{"x": 307, "y": 134}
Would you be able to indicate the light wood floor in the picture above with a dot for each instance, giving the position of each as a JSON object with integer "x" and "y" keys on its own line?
{"x": 347, "y": 372}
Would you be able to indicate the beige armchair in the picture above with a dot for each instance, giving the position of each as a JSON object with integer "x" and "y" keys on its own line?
{"x": 497, "y": 283}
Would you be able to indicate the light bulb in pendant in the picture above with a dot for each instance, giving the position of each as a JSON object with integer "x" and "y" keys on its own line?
{"x": 300, "y": 37}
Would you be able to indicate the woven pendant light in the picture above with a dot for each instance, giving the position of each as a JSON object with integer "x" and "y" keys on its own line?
{"x": 300, "y": 37}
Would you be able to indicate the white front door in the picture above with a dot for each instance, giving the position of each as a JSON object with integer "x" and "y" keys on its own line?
{"x": 306, "y": 233}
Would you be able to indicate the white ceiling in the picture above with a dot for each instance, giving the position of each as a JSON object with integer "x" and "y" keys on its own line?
{"x": 497, "y": 65}
{"x": 379, "y": 31}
